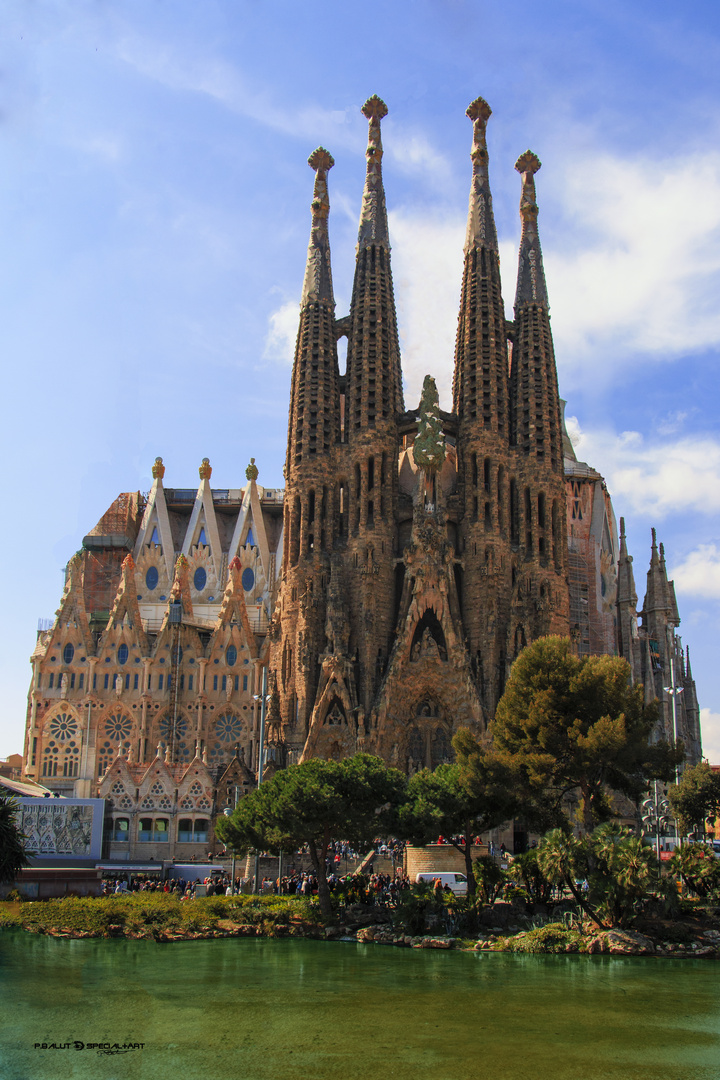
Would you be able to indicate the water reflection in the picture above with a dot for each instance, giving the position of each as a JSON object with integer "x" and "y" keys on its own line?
{"x": 271, "y": 1010}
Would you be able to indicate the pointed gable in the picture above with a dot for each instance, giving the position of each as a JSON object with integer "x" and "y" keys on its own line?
{"x": 125, "y": 610}
{"x": 233, "y": 611}
{"x": 71, "y": 613}
{"x": 203, "y": 522}
{"x": 155, "y": 526}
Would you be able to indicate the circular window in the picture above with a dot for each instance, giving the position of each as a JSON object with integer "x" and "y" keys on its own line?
{"x": 68, "y": 653}
{"x": 231, "y": 656}
{"x": 248, "y": 579}
{"x": 122, "y": 654}
{"x": 63, "y": 727}
{"x": 200, "y": 579}
{"x": 151, "y": 578}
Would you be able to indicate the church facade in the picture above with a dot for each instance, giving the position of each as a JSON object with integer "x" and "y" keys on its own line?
{"x": 386, "y": 589}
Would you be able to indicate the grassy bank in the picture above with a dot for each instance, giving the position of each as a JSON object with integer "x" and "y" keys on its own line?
{"x": 153, "y": 915}
{"x": 417, "y": 922}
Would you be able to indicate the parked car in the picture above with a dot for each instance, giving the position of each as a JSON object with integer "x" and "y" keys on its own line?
{"x": 457, "y": 882}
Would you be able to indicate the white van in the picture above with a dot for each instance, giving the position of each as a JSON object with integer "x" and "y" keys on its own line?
{"x": 457, "y": 882}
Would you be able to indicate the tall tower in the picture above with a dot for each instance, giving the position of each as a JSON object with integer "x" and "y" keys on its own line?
{"x": 313, "y": 432}
{"x": 480, "y": 396}
{"x": 369, "y": 452}
{"x": 537, "y": 490}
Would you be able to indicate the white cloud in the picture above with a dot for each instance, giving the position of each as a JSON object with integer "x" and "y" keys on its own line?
{"x": 710, "y": 728}
{"x": 657, "y": 478}
{"x": 638, "y": 266}
{"x": 282, "y": 332}
{"x": 699, "y": 574}
{"x": 412, "y": 152}
{"x": 427, "y": 272}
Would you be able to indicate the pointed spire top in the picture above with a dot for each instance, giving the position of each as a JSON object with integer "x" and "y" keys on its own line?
{"x": 317, "y": 286}
{"x": 373, "y": 216}
{"x": 623, "y": 541}
{"x": 531, "y": 288}
{"x": 158, "y": 469}
{"x": 654, "y": 561}
{"x": 481, "y": 223}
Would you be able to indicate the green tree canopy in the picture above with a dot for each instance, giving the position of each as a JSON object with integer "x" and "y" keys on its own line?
{"x": 581, "y": 727}
{"x": 696, "y": 799}
{"x": 355, "y": 799}
{"x": 476, "y": 793}
{"x": 12, "y": 847}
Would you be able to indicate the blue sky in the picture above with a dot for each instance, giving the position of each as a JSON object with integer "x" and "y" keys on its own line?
{"x": 154, "y": 218}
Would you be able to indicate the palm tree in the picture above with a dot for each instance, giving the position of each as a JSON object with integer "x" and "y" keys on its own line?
{"x": 12, "y": 848}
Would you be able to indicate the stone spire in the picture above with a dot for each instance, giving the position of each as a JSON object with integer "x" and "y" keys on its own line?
{"x": 535, "y": 409}
{"x": 656, "y": 599}
{"x": 373, "y": 378}
{"x": 481, "y": 361}
{"x": 531, "y": 288}
{"x": 314, "y": 424}
{"x": 673, "y": 613}
{"x": 317, "y": 286}
{"x": 627, "y": 605}
{"x": 481, "y": 230}
{"x": 373, "y": 216}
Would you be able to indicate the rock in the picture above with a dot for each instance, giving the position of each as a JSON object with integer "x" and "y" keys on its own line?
{"x": 433, "y": 943}
{"x": 629, "y": 943}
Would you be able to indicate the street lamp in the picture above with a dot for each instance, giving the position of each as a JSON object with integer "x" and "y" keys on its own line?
{"x": 673, "y": 691}
{"x": 656, "y": 814}
{"x": 263, "y": 698}
{"x": 228, "y": 813}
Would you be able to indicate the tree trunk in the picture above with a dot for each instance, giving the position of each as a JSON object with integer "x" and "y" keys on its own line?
{"x": 466, "y": 852}
{"x": 318, "y": 861}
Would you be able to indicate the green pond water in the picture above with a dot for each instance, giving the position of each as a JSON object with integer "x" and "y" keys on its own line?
{"x": 256, "y": 1009}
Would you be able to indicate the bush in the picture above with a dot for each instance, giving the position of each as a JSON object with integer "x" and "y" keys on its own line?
{"x": 552, "y": 938}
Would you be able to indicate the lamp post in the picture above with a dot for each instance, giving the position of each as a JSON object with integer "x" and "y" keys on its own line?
{"x": 263, "y": 698}
{"x": 228, "y": 813}
{"x": 656, "y": 813}
{"x": 673, "y": 691}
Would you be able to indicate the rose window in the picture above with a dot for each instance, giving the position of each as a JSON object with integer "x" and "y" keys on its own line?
{"x": 180, "y": 728}
{"x": 64, "y": 726}
{"x": 118, "y": 726}
{"x": 228, "y": 727}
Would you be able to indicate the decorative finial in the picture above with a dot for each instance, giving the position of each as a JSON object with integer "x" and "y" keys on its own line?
{"x": 374, "y": 108}
{"x": 527, "y": 165}
{"x": 531, "y": 287}
{"x": 479, "y": 110}
{"x": 205, "y": 469}
{"x": 622, "y": 527}
{"x": 481, "y": 230}
{"x": 252, "y": 470}
{"x": 317, "y": 285}
{"x": 373, "y": 216}
{"x": 158, "y": 469}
